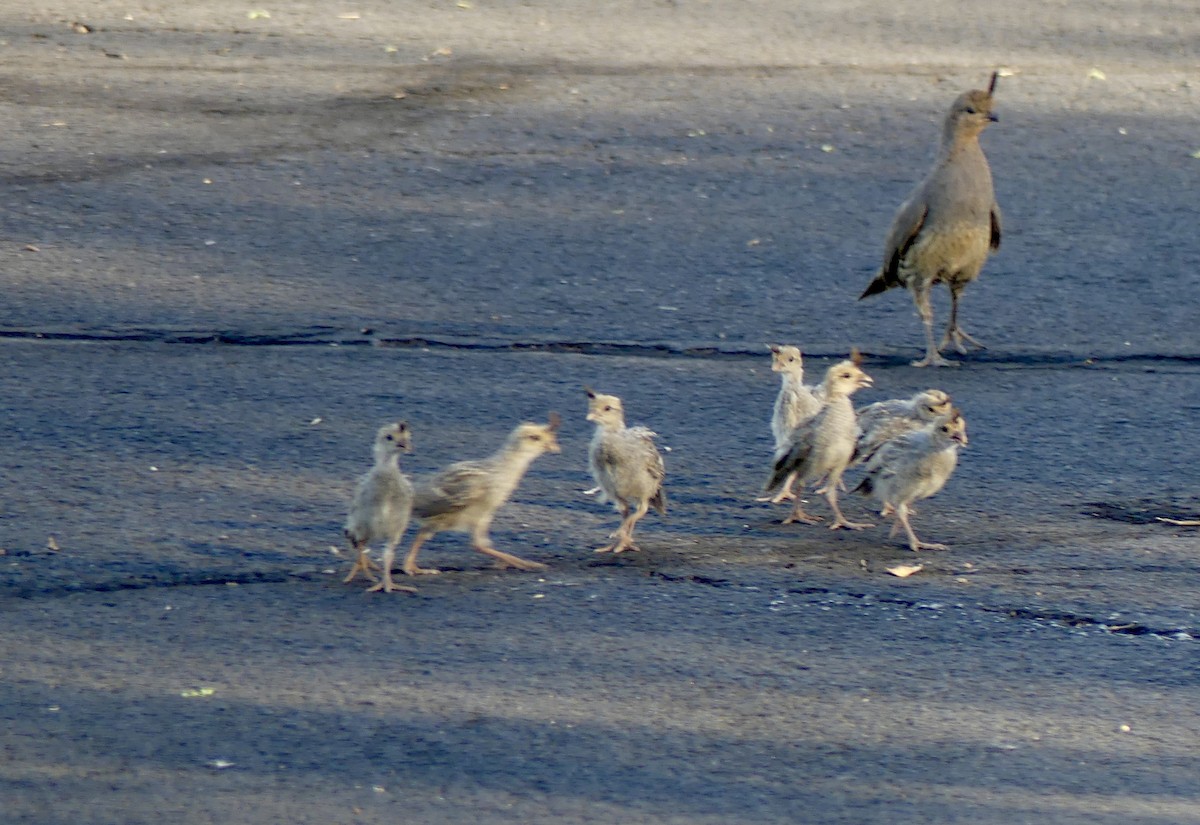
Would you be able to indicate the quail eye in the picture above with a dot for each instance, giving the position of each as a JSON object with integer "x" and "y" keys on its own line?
{"x": 971, "y": 110}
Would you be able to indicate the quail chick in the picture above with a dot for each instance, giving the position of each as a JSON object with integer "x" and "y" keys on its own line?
{"x": 884, "y": 420}
{"x": 822, "y": 448}
{"x": 627, "y": 468}
{"x": 914, "y": 466}
{"x": 465, "y": 496}
{"x": 381, "y": 507}
{"x": 950, "y": 223}
{"x": 796, "y": 404}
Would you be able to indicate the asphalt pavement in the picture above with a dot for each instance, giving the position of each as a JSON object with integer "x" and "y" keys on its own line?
{"x": 238, "y": 239}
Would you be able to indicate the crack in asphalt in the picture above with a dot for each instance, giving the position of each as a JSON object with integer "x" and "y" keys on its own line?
{"x": 148, "y": 582}
{"x": 1144, "y": 511}
{"x": 210, "y": 578}
{"x": 335, "y": 336}
{"x": 1059, "y": 617}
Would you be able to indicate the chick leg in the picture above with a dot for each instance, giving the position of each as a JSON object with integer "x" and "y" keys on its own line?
{"x": 386, "y": 584}
{"x": 913, "y": 542}
{"x": 798, "y": 515}
{"x": 625, "y": 542}
{"x": 362, "y": 564}
{"x": 831, "y": 495}
{"x": 484, "y": 545}
{"x": 920, "y": 293}
{"x": 410, "y": 561}
{"x": 785, "y": 494}
{"x": 617, "y": 535}
{"x": 955, "y": 334}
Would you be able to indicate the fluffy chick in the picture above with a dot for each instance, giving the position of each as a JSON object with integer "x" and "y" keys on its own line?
{"x": 884, "y": 420}
{"x": 465, "y": 496}
{"x": 626, "y": 466}
{"x": 381, "y": 507}
{"x": 822, "y": 448}
{"x": 795, "y": 405}
{"x": 914, "y": 466}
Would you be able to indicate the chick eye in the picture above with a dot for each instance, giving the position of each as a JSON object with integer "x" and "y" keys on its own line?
{"x": 389, "y": 438}
{"x": 971, "y": 110}
{"x": 607, "y": 408}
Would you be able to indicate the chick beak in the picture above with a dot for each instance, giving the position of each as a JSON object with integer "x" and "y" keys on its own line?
{"x": 960, "y": 436}
{"x": 993, "y": 117}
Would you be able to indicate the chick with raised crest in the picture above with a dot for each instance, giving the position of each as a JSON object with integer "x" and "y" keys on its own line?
{"x": 465, "y": 496}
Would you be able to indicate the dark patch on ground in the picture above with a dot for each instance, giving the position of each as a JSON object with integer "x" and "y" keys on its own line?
{"x": 1145, "y": 511}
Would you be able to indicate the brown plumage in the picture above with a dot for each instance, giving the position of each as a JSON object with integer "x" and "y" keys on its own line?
{"x": 946, "y": 228}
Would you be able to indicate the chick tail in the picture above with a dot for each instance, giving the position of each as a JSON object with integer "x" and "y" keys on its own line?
{"x": 884, "y": 280}
{"x": 779, "y": 473}
{"x": 659, "y": 502}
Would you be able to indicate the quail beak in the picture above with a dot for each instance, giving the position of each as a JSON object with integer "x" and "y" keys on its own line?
{"x": 865, "y": 380}
{"x": 552, "y": 446}
{"x": 592, "y": 417}
{"x": 993, "y": 117}
{"x": 960, "y": 436}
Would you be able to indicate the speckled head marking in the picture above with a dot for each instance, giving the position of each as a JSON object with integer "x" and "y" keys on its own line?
{"x": 935, "y": 403}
